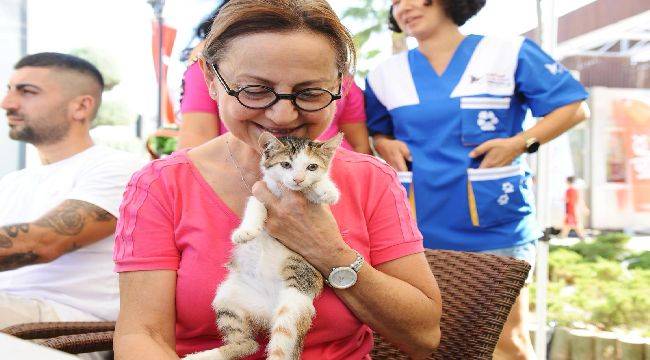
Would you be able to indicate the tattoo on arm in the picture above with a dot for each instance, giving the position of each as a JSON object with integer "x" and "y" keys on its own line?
{"x": 11, "y": 232}
{"x": 8, "y": 235}
{"x": 17, "y": 260}
{"x": 70, "y": 217}
{"x": 5, "y": 242}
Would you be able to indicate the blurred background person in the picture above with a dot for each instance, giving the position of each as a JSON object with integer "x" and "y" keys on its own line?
{"x": 454, "y": 108}
{"x": 575, "y": 210}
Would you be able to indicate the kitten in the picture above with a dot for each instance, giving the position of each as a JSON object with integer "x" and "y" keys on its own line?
{"x": 270, "y": 287}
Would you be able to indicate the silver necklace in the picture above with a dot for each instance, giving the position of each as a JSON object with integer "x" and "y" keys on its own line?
{"x": 241, "y": 173}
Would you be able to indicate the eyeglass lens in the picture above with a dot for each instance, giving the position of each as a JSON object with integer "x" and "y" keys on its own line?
{"x": 261, "y": 97}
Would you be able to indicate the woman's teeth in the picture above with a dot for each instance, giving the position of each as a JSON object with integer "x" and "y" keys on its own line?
{"x": 280, "y": 132}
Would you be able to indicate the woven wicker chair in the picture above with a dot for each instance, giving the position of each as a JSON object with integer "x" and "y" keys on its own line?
{"x": 70, "y": 337}
{"x": 477, "y": 290}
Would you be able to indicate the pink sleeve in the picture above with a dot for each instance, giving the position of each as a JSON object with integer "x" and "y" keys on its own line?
{"x": 392, "y": 230}
{"x": 353, "y": 110}
{"x": 195, "y": 92}
{"x": 144, "y": 236}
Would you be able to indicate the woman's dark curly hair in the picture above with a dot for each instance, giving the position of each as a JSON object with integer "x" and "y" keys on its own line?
{"x": 459, "y": 11}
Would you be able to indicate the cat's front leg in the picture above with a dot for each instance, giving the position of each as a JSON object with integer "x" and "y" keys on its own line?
{"x": 324, "y": 192}
{"x": 252, "y": 222}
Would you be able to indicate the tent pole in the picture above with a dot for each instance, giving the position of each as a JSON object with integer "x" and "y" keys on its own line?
{"x": 547, "y": 30}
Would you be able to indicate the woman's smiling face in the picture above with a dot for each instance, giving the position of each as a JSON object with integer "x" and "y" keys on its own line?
{"x": 418, "y": 18}
{"x": 286, "y": 62}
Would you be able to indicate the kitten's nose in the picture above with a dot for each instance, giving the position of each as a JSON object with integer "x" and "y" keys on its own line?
{"x": 298, "y": 181}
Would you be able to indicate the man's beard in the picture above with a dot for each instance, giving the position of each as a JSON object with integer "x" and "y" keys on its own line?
{"x": 42, "y": 135}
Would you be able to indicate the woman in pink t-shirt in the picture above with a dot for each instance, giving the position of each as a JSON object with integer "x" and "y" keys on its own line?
{"x": 200, "y": 114}
{"x": 173, "y": 237}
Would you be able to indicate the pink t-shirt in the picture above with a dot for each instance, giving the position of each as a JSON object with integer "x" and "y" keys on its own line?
{"x": 172, "y": 219}
{"x": 349, "y": 109}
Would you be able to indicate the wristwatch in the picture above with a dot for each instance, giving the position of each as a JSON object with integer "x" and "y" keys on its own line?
{"x": 345, "y": 277}
{"x": 532, "y": 145}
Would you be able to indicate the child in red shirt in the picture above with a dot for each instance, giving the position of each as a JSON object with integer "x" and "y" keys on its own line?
{"x": 572, "y": 216}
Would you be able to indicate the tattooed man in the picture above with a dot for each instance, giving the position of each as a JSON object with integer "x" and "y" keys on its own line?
{"x": 57, "y": 218}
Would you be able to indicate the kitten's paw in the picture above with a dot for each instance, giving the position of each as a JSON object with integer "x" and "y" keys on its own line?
{"x": 244, "y": 235}
{"x": 327, "y": 196}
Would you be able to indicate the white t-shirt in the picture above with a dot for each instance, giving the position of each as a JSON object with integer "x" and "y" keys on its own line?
{"x": 80, "y": 285}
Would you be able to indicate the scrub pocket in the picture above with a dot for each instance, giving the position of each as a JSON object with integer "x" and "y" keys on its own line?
{"x": 498, "y": 195}
{"x": 484, "y": 118}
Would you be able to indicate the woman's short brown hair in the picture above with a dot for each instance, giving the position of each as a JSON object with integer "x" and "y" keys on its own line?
{"x": 245, "y": 17}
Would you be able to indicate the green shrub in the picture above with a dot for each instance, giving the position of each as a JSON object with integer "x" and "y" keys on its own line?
{"x": 609, "y": 246}
{"x": 589, "y": 284}
{"x": 164, "y": 145}
{"x": 640, "y": 261}
{"x": 560, "y": 259}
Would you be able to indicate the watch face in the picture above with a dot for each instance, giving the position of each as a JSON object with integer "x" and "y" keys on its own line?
{"x": 533, "y": 147}
{"x": 342, "y": 278}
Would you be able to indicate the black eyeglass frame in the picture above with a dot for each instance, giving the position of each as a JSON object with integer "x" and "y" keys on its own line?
{"x": 292, "y": 97}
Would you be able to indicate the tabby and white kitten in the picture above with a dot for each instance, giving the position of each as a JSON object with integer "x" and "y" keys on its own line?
{"x": 270, "y": 287}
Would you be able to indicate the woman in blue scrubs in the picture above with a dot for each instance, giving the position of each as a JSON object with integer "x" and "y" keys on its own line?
{"x": 453, "y": 110}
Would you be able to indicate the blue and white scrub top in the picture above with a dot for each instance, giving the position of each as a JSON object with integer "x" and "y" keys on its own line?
{"x": 483, "y": 94}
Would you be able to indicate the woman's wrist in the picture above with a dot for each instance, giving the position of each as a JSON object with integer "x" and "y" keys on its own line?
{"x": 519, "y": 142}
{"x": 336, "y": 256}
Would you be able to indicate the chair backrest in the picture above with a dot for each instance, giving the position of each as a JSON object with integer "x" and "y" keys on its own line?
{"x": 478, "y": 291}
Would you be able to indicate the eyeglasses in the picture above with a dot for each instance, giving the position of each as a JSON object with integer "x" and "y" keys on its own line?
{"x": 262, "y": 97}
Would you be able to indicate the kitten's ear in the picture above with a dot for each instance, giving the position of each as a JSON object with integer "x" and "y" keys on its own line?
{"x": 332, "y": 144}
{"x": 268, "y": 141}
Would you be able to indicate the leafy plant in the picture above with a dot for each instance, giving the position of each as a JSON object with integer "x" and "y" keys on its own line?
{"x": 163, "y": 145}
{"x": 104, "y": 63}
{"x": 560, "y": 260}
{"x": 640, "y": 261}
{"x": 608, "y": 246}
{"x": 373, "y": 15}
{"x": 590, "y": 285}
{"x": 111, "y": 112}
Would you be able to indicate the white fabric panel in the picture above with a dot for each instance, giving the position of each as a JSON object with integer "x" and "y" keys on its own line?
{"x": 485, "y": 103}
{"x": 494, "y": 173}
{"x": 392, "y": 82}
{"x": 491, "y": 69}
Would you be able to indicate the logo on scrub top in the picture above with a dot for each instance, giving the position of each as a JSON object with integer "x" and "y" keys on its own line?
{"x": 491, "y": 79}
{"x": 487, "y": 121}
{"x": 507, "y": 188}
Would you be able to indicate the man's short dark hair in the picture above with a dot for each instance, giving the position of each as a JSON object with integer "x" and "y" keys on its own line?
{"x": 62, "y": 61}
